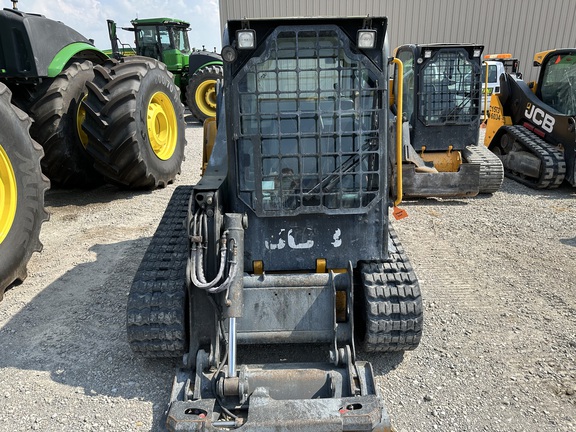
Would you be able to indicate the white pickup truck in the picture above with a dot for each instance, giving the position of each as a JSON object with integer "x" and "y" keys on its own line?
{"x": 493, "y": 67}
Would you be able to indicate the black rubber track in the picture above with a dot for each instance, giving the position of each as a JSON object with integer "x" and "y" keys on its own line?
{"x": 24, "y": 155}
{"x": 491, "y": 168}
{"x": 156, "y": 313}
{"x": 116, "y": 122}
{"x": 213, "y": 72}
{"x": 392, "y": 303}
{"x": 553, "y": 165}
{"x": 54, "y": 108}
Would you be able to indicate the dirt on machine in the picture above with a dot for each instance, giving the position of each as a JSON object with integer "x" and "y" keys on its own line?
{"x": 284, "y": 249}
{"x": 532, "y": 127}
{"x": 96, "y": 120}
{"x": 196, "y": 72}
{"x": 441, "y": 110}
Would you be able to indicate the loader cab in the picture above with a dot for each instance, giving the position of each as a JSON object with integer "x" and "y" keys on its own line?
{"x": 441, "y": 93}
{"x": 306, "y": 125}
{"x": 165, "y": 40}
{"x": 557, "y": 79}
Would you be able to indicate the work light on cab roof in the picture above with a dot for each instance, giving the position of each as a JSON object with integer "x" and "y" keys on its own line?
{"x": 246, "y": 39}
{"x": 367, "y": 39}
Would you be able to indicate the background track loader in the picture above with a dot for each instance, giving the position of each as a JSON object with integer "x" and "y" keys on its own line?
{"x": 284, "y": 250}
{"x": 441, "y": 109}
{"x": 532, "y": 128}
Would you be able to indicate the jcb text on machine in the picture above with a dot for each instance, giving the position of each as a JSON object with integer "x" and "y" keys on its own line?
{"x": 533, "y": 128}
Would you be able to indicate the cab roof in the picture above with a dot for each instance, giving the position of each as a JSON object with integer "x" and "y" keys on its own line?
{"x": 159, "y": 21}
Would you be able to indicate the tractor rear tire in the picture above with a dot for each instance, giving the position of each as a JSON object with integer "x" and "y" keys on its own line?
{"x": 201, "y": 92}
{"x": 22, "y": 188}
{"x": 57, "y": 113}
{"x": 135, "y": 123}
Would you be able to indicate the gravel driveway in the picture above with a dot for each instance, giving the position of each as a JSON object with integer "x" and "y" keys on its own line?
{"x": 498, "y": 277}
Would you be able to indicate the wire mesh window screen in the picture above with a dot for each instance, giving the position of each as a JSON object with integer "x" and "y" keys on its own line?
{"x": 448, "y": 93}
{"x": 308, "y": 127}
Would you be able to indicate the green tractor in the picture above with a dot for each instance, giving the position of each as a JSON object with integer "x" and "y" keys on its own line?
{"x": 196, "y": 72}
{"x": 98, "y": 119}
{"x": 73, "y": 114}
{"x": 22, "y": 188}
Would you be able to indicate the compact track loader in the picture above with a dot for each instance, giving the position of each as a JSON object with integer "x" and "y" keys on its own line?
{"x": 441, "y": 108}
{"x": 532, "y": 127}
{"x": 283, "y": 253}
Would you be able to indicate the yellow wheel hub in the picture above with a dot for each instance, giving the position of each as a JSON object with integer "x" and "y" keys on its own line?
{"x": 162, "y": 126}
{"x": 8, "y": 195}
{"x": 80, "y": 117}
{"x": 206, "y": 97}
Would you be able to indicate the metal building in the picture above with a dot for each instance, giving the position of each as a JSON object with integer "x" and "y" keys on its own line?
{"x": 520, "y": 27}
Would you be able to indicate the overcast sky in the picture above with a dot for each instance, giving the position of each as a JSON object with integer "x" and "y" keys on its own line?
{"x": 88, "y": 17}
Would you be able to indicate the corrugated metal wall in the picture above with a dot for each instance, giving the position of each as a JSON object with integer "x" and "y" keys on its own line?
{"x": 520, "y": 27}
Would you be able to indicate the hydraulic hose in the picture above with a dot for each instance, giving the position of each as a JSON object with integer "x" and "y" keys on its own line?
{"x": 196, "y": 271}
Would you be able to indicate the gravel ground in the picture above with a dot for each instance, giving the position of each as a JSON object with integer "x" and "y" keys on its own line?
{"x": 498, "y": 280}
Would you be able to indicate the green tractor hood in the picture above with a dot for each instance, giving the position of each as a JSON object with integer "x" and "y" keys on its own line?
{"x": 33, "y": 46}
